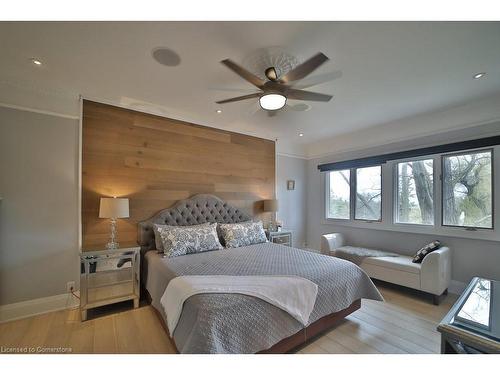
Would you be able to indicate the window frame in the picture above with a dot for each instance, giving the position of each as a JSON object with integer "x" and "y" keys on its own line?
{"x": 441, "y": 178}
{"x": 388, "y": 191}
{"x": 395, "y": 187}
{"x": 355, "y": 189}
{"x": 327, "y": 196}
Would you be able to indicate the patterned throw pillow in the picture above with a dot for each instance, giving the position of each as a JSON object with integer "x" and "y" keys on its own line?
{"x": 429, "y": 248}
{"x": 242, "y": 234}
{"x": 158, "y": 239}
{"x": 189, "y": 239}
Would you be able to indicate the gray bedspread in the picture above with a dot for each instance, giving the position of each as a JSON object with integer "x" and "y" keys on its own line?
{"x": 235, "y": 323}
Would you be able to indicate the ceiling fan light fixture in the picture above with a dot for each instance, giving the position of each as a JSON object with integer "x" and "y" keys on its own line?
{"x": 272, "y": 102}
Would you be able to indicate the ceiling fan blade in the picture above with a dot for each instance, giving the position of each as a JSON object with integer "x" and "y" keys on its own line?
{"x": 318, "y": 79}
{"x": 238, "y": 98}
{"x": 305, "y": 68}
{"x": 307, "y": 95}
{"x": 247, "y": 90}
{"x": 243, "y": 73}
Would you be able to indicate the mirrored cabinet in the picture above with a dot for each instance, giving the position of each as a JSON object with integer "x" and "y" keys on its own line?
{"x": 109, "y": 276}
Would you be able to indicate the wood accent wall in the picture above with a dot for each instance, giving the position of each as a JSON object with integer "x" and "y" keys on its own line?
{"x": 155, "y": 161}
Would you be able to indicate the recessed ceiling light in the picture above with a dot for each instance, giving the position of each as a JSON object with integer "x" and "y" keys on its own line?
{"x": 36, "y": 61}
{"x": 219, "y": 111}
{"x": 479, "y": 75}
{"x": 301, "y": 134}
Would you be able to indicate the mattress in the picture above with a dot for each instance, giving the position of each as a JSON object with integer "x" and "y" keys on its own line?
{"x": 236, "y": 323}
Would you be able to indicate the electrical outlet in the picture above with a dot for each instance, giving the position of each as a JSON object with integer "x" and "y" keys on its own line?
{"x": 70, "y": 286}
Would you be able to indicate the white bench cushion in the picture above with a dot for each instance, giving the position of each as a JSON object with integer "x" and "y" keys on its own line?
{"x": 401, "y": 263}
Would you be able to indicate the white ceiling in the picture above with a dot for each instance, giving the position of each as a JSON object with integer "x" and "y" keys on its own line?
{"x": 390, "y": 70}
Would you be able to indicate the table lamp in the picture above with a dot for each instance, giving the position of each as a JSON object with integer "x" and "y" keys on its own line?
{"x": 271, "y": 205}
{"x": 113, "y": 208}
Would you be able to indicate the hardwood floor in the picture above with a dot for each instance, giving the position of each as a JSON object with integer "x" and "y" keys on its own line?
{"x": 404, "y": 323}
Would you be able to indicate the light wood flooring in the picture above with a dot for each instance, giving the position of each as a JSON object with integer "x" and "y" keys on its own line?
{"x": 404, "y": 323}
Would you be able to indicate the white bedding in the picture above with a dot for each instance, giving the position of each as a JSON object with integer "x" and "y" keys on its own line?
{"x": 293, "y": 294}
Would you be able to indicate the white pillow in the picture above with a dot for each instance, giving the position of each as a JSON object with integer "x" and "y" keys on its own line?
{"x": 184, "y": 240}
{"x": 243, "y": 234}
{"x": 158, "y": 240}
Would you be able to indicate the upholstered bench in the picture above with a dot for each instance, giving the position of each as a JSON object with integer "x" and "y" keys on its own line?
{"x": 433, "y": 275}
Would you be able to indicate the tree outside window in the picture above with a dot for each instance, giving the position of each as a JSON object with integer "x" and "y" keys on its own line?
{"x": 340, "y": 191}
{"x": 467, "y": 190}
{"x": 369, "y": 193}
{"x": 415, "y": 192}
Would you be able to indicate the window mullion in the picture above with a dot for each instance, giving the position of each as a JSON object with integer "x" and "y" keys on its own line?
{"x": 353, "y": 188}
{"x": 438, "y": 191}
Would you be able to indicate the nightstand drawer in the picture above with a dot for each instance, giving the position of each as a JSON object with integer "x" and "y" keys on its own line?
{"x": 109, "y": 292}
{"x": 101, "y": 279}
{"x": 283, "y": 240}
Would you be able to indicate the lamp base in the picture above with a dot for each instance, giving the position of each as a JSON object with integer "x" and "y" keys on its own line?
{"x": 272, "y": 227}
{"x": 112, "y": 245}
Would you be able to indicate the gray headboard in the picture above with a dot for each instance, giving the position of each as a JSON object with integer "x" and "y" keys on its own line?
{"x": 198, "y": 209}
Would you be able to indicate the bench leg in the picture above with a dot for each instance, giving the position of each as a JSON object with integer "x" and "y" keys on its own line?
{"x": 436, "y": 299}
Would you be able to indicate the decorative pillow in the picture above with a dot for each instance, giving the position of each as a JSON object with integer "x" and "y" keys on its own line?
{"x": 429, "y": 248}
{"x": 243, "y": 234}
{"x": 159, "y": 241}
{"x": 189, "y": 239}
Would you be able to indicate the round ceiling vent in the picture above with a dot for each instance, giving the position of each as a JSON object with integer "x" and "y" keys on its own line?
{"x": 301, "y": 107}
{"x": 166, "y": 56}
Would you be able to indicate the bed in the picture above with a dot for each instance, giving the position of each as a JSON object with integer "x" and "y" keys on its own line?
{"x": 238, "y": 323}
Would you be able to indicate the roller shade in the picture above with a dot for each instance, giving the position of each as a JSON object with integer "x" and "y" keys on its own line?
{"x": 381, "y": 159}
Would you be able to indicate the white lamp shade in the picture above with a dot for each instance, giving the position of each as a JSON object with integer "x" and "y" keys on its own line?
{"x": 271, "y": 205}
{"x": 113, "y": 208}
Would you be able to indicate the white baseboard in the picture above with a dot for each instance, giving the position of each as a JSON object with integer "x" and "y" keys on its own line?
{"x": 37, "y": 306}
{"x": 456, "y": 287}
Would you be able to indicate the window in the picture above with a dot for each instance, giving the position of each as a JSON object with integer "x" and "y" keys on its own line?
{"x": 368, "y": 194}
{"x": 467, "y": 190}
{"x": 339, "y": 196}
{"x": 415, "y": 192}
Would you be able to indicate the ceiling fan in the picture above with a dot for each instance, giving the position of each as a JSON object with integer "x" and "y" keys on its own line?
{"x": 276, "y": 90}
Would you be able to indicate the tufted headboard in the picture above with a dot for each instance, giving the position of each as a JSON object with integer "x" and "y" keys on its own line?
{"x": 198, "y": 209}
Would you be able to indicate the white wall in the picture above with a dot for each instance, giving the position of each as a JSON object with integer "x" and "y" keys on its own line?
{"x": 471, "y": 257}
{"x": 38, "y": 212}
{"x": 455, "y": 118}
{"x": 292, "y": 203}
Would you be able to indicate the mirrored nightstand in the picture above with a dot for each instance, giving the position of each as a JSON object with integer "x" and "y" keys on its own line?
{"x": 283, "y": 238}
{"x": 109, "y": 276}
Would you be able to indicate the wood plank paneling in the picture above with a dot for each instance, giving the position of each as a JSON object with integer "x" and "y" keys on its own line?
{"x": 156, "y": 161}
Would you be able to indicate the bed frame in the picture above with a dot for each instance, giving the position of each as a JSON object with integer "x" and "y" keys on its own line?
{"x": 203, "y": 208}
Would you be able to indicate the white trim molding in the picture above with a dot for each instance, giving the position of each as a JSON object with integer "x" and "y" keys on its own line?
{"x": 40, "y": 111}
{"x": 292, "y": 155}
{"x": 37, "y": 306}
